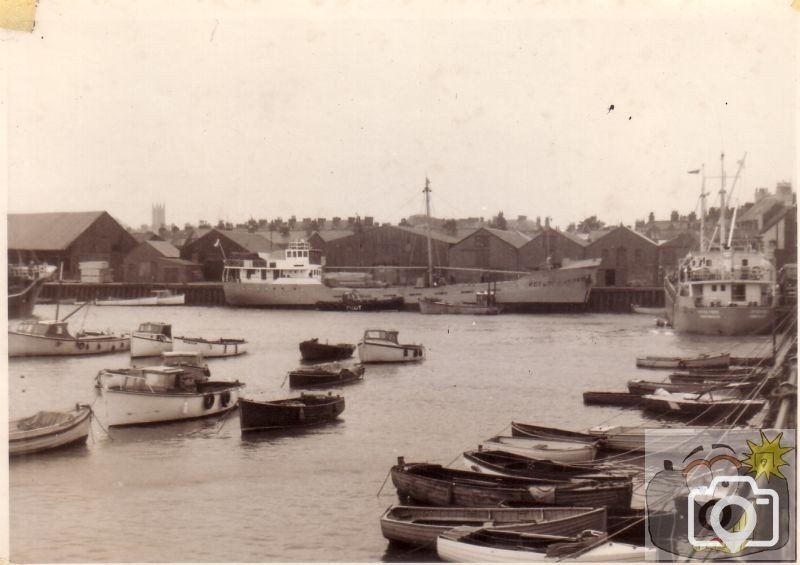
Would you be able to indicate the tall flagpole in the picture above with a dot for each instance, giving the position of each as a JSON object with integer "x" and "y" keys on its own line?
{"x": 427, "y": 191}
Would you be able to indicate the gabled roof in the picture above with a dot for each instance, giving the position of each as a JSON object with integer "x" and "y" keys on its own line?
{"x": 164, "y": 248}
{"x": 330, "y": 235}
{"x": 570, "y": 236}
{"x": 438, "y": 236}
{"x": 629, "y": 230}
{"x": 513, "y": 238}
{"x": 785, "y": 212}
{"x": 250, "y": 241}
{"x": 757, "y": 210}
{"x": 49, "y": 231}
{"x": 141, "y": 236}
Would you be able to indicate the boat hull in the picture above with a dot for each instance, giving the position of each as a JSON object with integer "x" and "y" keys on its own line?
{"x": 558, "y": 451}
{"x": 149, "y": 345}
{"x": 129, "y": 408}
{"x": 220, "y": 348}
{"x": 319, "y": 379}
{"x": 25, "y": 442}
{"x": 701, "y": 362}
{"x": 557, "y": 289}
{"x": 21, "y": 303}
{"x": 312, "y": 350}
{"x": 420, "y": 526}
{"x": 716, "y": 411}
{"x": 453, "y": 551}
{"x": 437, "y": 307}
{"x": 255, "y": 416}
{"x": 370, "y": 352}
{"x": 22, "y": 345}
{"x": 684, "y": 317}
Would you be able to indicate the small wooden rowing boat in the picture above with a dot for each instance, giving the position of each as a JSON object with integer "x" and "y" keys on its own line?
{"x": 381, "y": 346}
{"x": 431, "y": 484}
{"x": 305, "y": 410}
{"x": 702, "y": 361}
{"x": 559, "y": 451}
{"x": 222, "y": 347}
{"x": 420, "y": 525}
{"x": 330, "y": 375}
{"x": 48, "y": 430}
{"x": 640, "y": 387}
{"x": 485, "y": 545}
{"x": 623, "y": 399}
{"x": 519, "y": 429}
{"x": 707, "y": 407}
{"x": 313, "y": 350}
{"x": 515, "y": 465}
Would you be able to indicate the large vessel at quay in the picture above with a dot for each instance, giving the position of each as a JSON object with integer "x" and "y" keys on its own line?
{"x": 297, "y": 281}
{"x": 723, "y": 289}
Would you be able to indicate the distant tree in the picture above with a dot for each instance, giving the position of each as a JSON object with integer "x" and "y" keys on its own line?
{"x": 590, "y": 224}
{"x": 499, "y": 222}
{"x": 572, "y": 228}
{"x": 174, "y": 228}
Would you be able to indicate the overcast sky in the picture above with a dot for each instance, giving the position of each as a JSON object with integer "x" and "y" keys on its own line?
{"x": 228, "y": 110}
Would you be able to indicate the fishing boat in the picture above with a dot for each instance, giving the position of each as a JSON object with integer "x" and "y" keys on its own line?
{"x": 329, "y": 375}
{"x": 159, "y": 394}
{"x": 25, "y": 283}
{"x": 157, "y": 298}
{"x": 151, "y": 339}
{"x": 353, "y": 301}
{"x": 603, "y": 398}
{"x": 559, "y": 451}
{"x": 381, "y": 346}
{"x": 435, "y": 485}
{"x": 724, "y": 288}
{"x": 419, "y": 526}
{"x": 222, "y": 347}
{"x": 304, "y": 410}
{"x": 484, "y": 305}
{"x": 705, "y": 361}
{"x": 52, "y": 338}
{"x": 189, "y": 361}
{"x": 296, "y": 280}
{"x": 707, "y": 407}
{"x": 514, "y": 465}
{"x": 313, "y": 350}
{"x": 487, "y": 545}
{"x": 48, "y": 430}
{"x": 649, "y": 311}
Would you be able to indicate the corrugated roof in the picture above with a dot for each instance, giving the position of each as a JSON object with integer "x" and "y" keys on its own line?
{"x": 165, "y": 248}
{"x": 51, "y": 231}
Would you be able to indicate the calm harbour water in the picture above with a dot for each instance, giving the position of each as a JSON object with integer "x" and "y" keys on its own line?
{"x": 200, "y": 492}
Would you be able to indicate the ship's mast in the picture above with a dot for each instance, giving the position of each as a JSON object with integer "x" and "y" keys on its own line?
{"x": 733, "y": 187}
{"x": 722, "y": 203}
{"x": 703, "y": 208}
{"x": 427, "y": 191}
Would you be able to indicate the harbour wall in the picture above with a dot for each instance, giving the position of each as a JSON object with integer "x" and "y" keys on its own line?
{"x": 601, "y": 299}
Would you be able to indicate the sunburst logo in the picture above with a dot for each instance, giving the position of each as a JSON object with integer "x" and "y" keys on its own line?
{"x": 767, "y": 458}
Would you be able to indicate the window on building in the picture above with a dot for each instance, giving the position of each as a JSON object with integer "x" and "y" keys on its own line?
{"x": 713, "y": 288}
{"x": 745, "y": 262}
{"x": 738, "y": 292}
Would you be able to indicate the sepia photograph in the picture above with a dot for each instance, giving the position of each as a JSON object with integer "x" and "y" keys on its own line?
{"x": 400, "y": 281}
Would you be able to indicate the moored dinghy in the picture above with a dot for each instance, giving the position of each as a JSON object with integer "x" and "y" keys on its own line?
{"x": 328, "y": 375}
{"x": 439, "y": 486}
{"x": 48, "y": 430}
{"x": 163, "y": 394}
{"x": 420, "y": 525}
{"x": 705, "y": 407}
{"x": 486, "y": 545}
{"x": 559, "y": 451}
{"x": 381, "y": 346}
{"x": 313, "y": 350}
{"x": 305, "y": 410}
{"x": 222, "y": 347}
{"x": 515, "y": 465}
{"x": 706, "y": 360}
{"x": 520, "y": 429}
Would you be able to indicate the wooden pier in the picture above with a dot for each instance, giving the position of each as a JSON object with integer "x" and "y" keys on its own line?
{"x": 601, "y": 299}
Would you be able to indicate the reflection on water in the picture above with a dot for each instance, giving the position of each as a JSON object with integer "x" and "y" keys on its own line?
{"x": 201, "y": 491}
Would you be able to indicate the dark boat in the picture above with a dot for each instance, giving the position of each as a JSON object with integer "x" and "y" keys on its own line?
{"x": 24, "y": 285}
{"x": 352, "y": 301}
{"x": 439, "y": 486}
{"x": 419, "y": 526}
{"x": 325, "y": 376}
{"x": 520, "y": 429}
{"x": 648, "y": 387}
{"x": 624, "y": 399}
{"x": 313, "y": 350}
{"x": 514, "y": 465}
{"x": 304, "y": 410}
